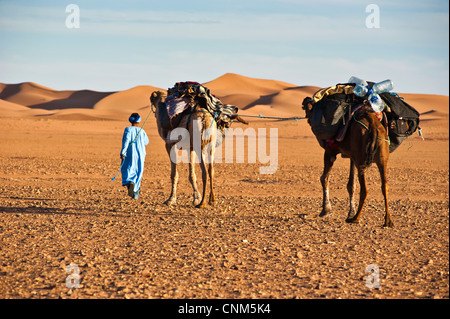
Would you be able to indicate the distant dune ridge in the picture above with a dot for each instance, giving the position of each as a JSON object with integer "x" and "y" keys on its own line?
{"x": 252, "y": 96}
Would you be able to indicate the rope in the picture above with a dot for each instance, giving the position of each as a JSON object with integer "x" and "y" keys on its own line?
{"x": 360, "y": 122}
{"x": 396, "y": 95}
{"x": 152, "y": 108}
{"x": 388, "y": 140}
{"x": 212, "y": 122}
{"x": 134, "y": 140}
{"x": 264, "y": 117}
{"x": 274, "y": 117}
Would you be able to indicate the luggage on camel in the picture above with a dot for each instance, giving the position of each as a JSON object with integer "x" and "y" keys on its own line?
{"x": 333, "y": 108}
{"x": 403, "y": 119}
{"x": 184, "y": 96}
{"x": 329, "y": 109}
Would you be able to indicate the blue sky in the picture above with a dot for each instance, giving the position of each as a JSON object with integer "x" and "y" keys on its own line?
{"x": 123, "y": 44}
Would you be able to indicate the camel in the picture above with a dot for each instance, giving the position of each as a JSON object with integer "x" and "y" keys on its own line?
{"x": 365, "y": 142}
{"x": 198, "y": 122}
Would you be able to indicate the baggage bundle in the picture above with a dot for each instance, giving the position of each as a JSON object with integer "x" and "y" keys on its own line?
{"x": 186, "y": 95}
{"x": 403, "y": 119}
{"x": 332, "y": 106}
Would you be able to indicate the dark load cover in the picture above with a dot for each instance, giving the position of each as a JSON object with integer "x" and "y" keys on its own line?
{"x": 328, "y": 115}
{"x": 403, "y": 119}
{"x": 333, "y": 104}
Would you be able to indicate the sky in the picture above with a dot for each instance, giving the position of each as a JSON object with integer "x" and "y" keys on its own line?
{"x": 122, "y": 44}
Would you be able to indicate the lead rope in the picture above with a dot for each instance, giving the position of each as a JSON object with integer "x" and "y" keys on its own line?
{"x": 274, "y": 117}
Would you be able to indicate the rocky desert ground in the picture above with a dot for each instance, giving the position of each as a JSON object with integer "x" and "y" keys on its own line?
{"x": 68, "y": 231}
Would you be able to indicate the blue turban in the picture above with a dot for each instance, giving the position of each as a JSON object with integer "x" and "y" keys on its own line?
{"x": 134, "y": 118}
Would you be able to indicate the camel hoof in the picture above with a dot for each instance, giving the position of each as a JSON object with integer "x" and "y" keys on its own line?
{"x": 170, "y": 202}
{"x": 352, "y": 221}
{"x": 324, "y": 212}
{"x": 388, "y": 224}
{"x": 197, "y": 200}
{"x": 351, "y": 214}
{"x": 201, "y": 205}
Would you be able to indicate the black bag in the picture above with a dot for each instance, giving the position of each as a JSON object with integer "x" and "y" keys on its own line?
{"x": 403, "y": 119}
{"x": 328, "y": 115}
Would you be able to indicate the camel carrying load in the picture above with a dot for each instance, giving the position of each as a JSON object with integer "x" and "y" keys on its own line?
{"x": 191, "y": 107}
{"x": 183, "y": 98}
{"x": 361, "y": 123}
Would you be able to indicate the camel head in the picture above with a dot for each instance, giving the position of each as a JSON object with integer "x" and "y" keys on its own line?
{"x": 308, "y": 106}
{"x": 156, "y": 97}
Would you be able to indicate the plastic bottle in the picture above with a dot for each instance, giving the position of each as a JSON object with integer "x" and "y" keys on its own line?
{"x": 356, "y": 80}
{"x": 360, "y": 90}
{"x": 376, "y": 102}
{"x": 361, "y": 86}
{"x": 383, "y": 86}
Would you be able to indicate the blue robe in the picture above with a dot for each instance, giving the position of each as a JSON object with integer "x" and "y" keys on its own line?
{"x": 133, "y": 166}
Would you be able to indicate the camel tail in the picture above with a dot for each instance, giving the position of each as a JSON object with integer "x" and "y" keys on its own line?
{"x": 240, "y": 119}
{"x": 372, "y": 145}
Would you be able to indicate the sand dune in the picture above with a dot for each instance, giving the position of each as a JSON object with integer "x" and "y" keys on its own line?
{"x": 29, "y": 99}
{"x": 6, "y": 106}
{"x": 40, "y": 97}
{"x": 430, "y": 106}
{"x": 252, "y": 96}
{"x": 231, "y": 83}
{"x": 133, "y": 99}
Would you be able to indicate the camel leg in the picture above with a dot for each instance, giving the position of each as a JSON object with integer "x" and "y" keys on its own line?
{"x": 384, "y": 188}
{"x": 351, "y": 189}
{"x": 210, "y": 150}
{"x": 193, "y": 180}
{"x": 174, "y": 178}
{"x": 362, "y": 196}
{"x": 324, "y": 179}
{"x": 204, "y": 179}
{"x": 212, "y": 198}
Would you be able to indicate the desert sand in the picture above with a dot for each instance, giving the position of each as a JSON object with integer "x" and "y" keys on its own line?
{"x": 262, "y": 239}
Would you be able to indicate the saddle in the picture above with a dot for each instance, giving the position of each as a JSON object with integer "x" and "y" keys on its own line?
{"x": 184, "y": 96}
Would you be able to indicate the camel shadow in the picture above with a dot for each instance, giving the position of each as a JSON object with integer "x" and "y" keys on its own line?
{"x": 36, "y": 210}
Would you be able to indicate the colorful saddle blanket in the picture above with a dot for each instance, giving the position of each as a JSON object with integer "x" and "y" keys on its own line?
{"x": 176, "y": 105}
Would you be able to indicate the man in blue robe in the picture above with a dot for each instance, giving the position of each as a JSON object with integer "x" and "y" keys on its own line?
{"x": 133, "y": 155}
